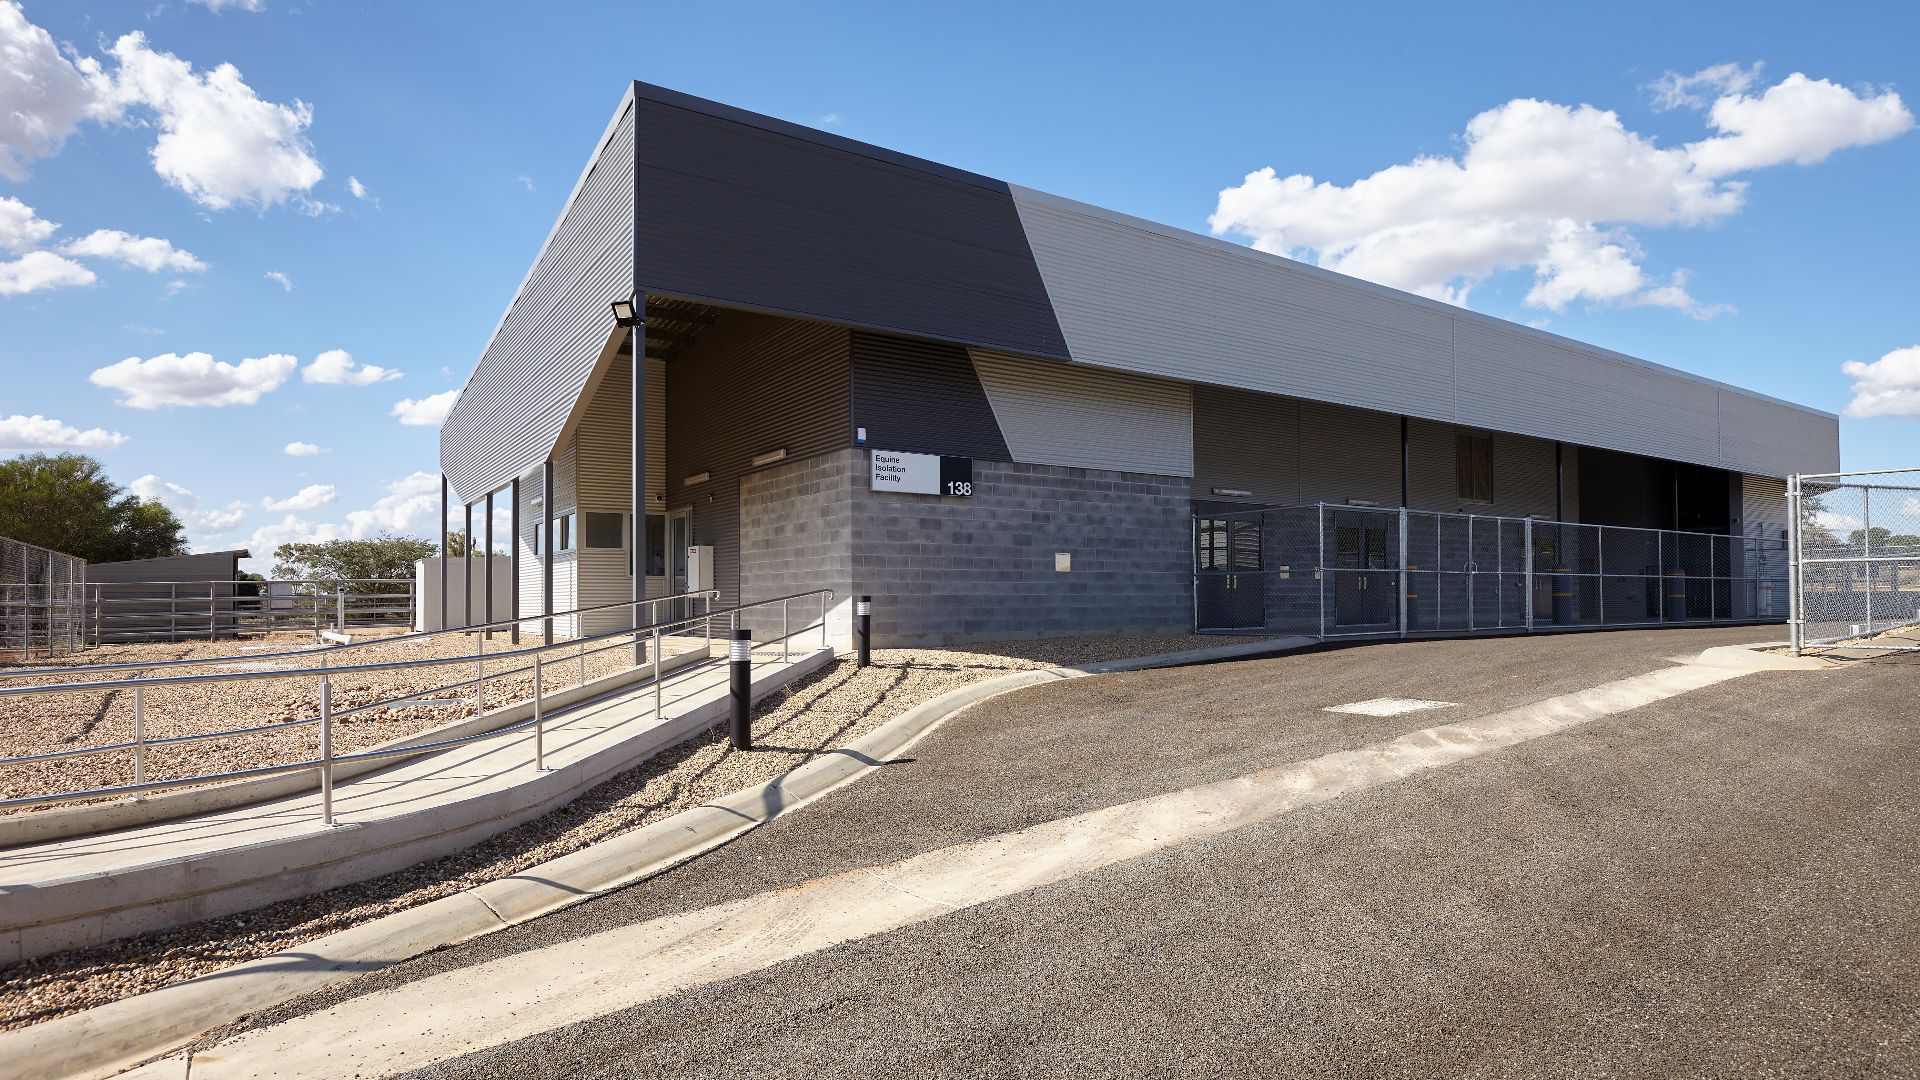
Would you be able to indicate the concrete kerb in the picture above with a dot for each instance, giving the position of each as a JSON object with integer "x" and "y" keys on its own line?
{"x": 111, "y": 1038}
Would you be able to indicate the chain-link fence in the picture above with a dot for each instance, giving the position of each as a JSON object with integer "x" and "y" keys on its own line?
{"x": 1856, "y": 559}
{"x": 42, "y": 612}
{"x": 1341, "y": 570}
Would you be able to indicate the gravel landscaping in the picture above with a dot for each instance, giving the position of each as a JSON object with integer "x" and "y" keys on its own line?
{"x": 40, "y": 724}
{"x": 816, "y": 714}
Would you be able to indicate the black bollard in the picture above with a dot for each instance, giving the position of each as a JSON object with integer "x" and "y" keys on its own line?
{"x": 740, "y": 672}
{"x": 863, "y": 634}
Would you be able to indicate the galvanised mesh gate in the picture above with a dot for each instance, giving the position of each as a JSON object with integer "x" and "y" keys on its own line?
{"x": 1856, "y": 559}
{"x": 41, "y": 601}
{"x": 1336, "y": 570}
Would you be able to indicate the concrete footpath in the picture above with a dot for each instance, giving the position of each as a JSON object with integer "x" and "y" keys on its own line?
{"x": 1204, "y": 872}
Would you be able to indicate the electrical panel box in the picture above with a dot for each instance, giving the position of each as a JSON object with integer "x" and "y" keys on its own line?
{"x": 699, "y": 567}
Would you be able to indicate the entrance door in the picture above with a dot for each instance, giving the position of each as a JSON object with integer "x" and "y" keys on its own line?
{"x": 679, "y": 535}
{"x": 1364, "y": 585}
{"x": 1230, "y": 592}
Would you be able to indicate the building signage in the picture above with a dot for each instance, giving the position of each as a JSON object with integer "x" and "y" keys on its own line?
{"x": 922, "y": 474}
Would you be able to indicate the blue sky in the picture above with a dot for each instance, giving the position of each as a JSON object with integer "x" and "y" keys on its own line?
{"x": 466, "y": 124}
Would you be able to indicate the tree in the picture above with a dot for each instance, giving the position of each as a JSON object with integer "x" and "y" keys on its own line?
{"x": 388, "y": 558}
{"x": 65, "y": 502}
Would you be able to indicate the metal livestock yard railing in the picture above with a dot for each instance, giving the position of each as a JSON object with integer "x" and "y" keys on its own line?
{"x": 1338, "y": 570}
{"x": 38, "y": 619}
{"x": 40, "y": 600}
{"x": 1856, "y": 559}
{"x": 643, "y": 639}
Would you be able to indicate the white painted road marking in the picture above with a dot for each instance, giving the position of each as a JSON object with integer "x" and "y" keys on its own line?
{"x": 1389, "y": 706}
{"x": 444, "y": 1016}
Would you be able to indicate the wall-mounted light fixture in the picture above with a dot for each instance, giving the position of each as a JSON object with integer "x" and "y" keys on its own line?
{"x": 624, "y": 313}
{"x": 697, "y": 478}
{"x": 1361, "y": 502}
{"x": 770, "y": 456}
{"x": 1234, "y": 493}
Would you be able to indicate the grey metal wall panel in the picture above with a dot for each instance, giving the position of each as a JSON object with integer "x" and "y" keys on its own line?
{"x": 1140, "y": 297}
{"x": 1763, "y": 507}
{"x": 1348, "y": 454}
{"x": 923, "y": 397}
{"x": 1054, "y": 413}
{"x": 1557, "y": 389}
{"x": 520, "y": 395}
{"x": 747, "y": 385}
{"x": 1522, "y": 477}
{"x": 1144, "y": 297}
{"x": 753, "y": 212}
{"x": 1434, "y": 478}
{"x": 1245, "y": 441}
{"x": 1770, "y": 441}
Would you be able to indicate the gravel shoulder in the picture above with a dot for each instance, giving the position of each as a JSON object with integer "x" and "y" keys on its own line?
{"x": 826, "y": 710}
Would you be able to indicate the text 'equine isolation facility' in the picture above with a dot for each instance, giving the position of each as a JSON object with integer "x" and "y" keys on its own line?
{"x": 1004, "y": 413}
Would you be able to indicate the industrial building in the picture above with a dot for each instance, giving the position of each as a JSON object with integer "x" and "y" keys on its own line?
{"x": 1004, "y": 413}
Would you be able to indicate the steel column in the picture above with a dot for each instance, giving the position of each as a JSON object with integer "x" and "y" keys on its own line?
{"x": 546, "y": 530}
{"x": 446, "y": 529}
{"x": 513, "y": 565}
{"x": 466, "y": 565}
{"x": 486, "y": 568}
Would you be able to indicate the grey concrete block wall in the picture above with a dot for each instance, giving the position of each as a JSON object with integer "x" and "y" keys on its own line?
{"x": 796, "y": 535}
{"x": 944, "y": 569}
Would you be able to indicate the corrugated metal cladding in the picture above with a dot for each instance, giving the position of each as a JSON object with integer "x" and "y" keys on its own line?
{"x": 748, "y": 385}
{"x": 1054, "y": 413}
{"x": 1144, "y": 297}
{"x": 522, "y": 391}
{"x": 922, "y": 397}
{"x": 747, "y": 210}
{"x": 1763, "y": 507}
{"x": 606, "y": 431}
{"x": 1283, "y": 450}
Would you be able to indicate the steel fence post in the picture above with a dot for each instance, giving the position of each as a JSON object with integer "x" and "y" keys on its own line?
{"x": 1403, "y": 571}
{"x": 540, "y": 717}
{"x": 785, "y": 630}
{"x": 1320, "y": 566}
{"x": 656, "y": 676}
{"x": 1794, "y": 636}
{"x": 1599, "y": 571}
{"x": 213, "y": 611}
{"x": 173, "y": 612}
{"x": 96, "y": 616}
{"x": 1526, "y": 569}
{"x": 139, "y": 738}
{"x": 326, "y": 750}
{"x": 1866, "y": 549}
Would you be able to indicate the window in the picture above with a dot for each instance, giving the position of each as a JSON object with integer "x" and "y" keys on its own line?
{"x": 656, "y": 545}
{"x": 604, "y": 531}
{"x": 1230, "y": 544}
{"x": 1474, "y": 455}
{"x": 562, "y": 534}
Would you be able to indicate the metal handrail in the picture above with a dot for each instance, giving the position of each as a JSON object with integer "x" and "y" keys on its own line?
{"x": 334, "y": 650}
{"x": 328, "y": 760}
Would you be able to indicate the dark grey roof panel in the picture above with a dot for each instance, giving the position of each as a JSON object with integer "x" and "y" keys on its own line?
{"x": 743, "y": 211}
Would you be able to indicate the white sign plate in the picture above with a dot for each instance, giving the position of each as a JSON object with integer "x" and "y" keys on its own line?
{"x": 918, "y": 474}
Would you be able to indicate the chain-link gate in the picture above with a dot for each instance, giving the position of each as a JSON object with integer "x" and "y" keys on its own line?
{"x": 42, "y": 608}
{"x": 1340, "y": 570}
{"x": 1856, "y": 560}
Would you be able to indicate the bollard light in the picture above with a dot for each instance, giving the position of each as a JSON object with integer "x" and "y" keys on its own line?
{"x": 740, "y": 687}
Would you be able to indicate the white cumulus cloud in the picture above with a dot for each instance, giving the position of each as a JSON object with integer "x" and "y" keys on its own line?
{"x": 38, "y": 432}
{"x": 1555, "y": 189}
{"x": 43, "y": 95}
{"x": 218, "y": 141}
{"x": 428, "y": 411}
{"x": 149, "y": 253}
{"x": 411, "y": 505}
{"x": 237, "y": 5}
{"x": 336, "y": 367}
{"x": 358, "y": 189}
{"x": 38, "y": 270}
{"x": 20, "y": 228}
{"x": 203, "y": 522}
{"x": 302, "y": 449}
{"x": 310, "y": 497}
{"x": 280, "y": 279}
{"x": 193, "y": 379}
{"x": 1889, "y": 386}
{"x": 291, "y": 529}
